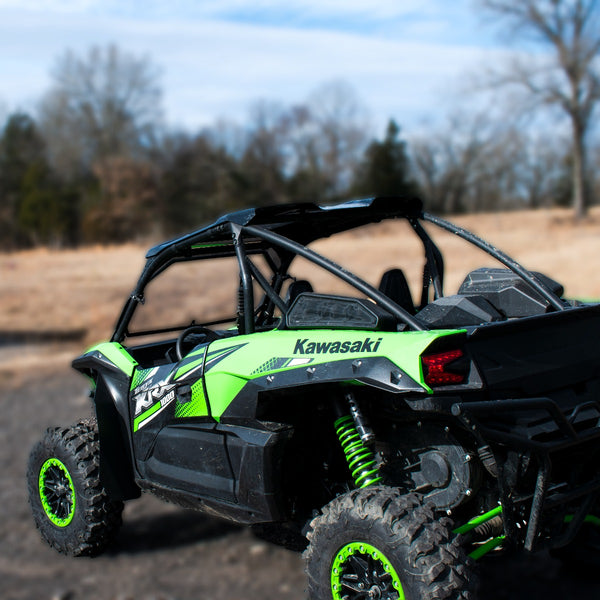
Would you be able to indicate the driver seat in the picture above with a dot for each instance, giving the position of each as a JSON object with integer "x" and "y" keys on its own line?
{"x": 394, "y": 285}
{"x": 300, "y": 286}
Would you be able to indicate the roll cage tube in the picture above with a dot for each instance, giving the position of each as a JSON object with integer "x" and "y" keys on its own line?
{"x": 272, "y": 290}
{"x": 513, "y": 265}
{"x": 338, "y": 271}
{"x": 181, "y": 251}
{"x": 155, "y": 265}
{"x": 152, "y": 268}
{"x": 246, "y": 316}
{"x": 434, "y": 266}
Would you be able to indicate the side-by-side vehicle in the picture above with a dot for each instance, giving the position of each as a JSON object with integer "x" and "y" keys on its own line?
{"x": 397, "y": 437}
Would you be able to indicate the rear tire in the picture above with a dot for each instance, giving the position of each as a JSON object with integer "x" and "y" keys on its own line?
{"x": 71, "y": 508}
{"x": 377, "y": 543}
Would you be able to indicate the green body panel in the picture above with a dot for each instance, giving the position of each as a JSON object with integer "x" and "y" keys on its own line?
{"x": 232, "y": 362}
{"x": 136, "y": 422}
{"x": 222, "y": 388}
{"x": 274, "y": 351}
{"x": 117, "y": 355}
{"x": 139, "y": 376}
{"x": 196, "y": 407}
{"x": 192, "y": 360}
{"x": 191, "y": 365}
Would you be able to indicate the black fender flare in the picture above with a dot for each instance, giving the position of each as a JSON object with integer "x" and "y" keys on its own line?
{"x": 110, "y": 398}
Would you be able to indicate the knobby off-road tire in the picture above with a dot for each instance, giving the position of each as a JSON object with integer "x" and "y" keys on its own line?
{"x": 71, "y": 509}
{"x": 377, "y": 543}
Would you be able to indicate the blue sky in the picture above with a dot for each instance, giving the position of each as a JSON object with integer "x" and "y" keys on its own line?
{"x": 406, "y": 59}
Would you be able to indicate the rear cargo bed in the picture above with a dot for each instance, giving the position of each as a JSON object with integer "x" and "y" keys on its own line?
{"x": 533, "y": 356}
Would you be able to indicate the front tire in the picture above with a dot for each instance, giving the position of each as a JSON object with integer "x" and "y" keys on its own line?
{"x": 71, "y": 509}
{"x": 377, "y": 543}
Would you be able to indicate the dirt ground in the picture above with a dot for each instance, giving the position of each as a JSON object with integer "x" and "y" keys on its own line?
{"x": 167, "y": 553}
{"x": 164, "y": 552}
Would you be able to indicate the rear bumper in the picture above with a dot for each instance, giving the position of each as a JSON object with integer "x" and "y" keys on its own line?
{"x": 548, "y": 461}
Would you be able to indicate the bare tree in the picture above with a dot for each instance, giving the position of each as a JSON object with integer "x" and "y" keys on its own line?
{"x": 307, "y": 151}
{"x": 128, "y": 203}
{"x": 264, "y": 160}
{"x": 101, "y": 105}
{"x": 571, "y": 80}
{"x": 447, "y": 163}
{"x": 541, "y": 169}
{"x": 343, "y": 132}
{"x": 474, "y": 163}
{"x": 306, "y": 163}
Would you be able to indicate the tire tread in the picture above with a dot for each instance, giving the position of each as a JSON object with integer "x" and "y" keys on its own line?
{"x": 444, "y": 571}
{"x": 100, "y": 519}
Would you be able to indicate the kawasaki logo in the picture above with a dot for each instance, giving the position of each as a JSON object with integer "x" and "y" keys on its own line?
{"x": 306, "y": 347}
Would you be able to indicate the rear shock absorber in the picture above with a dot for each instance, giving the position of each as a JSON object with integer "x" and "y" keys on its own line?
{"x": 361, "y": 459}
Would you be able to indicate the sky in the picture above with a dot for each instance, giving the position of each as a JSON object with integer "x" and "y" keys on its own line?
{"x": 406, "y": 59}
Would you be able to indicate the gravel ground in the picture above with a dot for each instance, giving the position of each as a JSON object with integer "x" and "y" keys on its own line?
{"x": 164, "y": 552}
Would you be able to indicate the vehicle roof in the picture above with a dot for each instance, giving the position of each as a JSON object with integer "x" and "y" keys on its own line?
{"x": 301, "y": 222}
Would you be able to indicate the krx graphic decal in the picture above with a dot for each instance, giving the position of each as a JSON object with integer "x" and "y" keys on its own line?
{"x": 216, "y": 356}
{"x": 152, "y": 396}
{"x": 154, "y": 390}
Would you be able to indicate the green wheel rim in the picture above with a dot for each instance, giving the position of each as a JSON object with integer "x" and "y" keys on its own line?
{"x": 360, "y": 569}
{"x": 57, "y": 492}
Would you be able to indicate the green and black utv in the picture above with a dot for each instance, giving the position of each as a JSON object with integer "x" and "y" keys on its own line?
{"x": 397, "y": 440}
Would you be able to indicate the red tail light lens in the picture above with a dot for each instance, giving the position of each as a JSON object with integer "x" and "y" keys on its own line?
{"x": 436, "y": 368}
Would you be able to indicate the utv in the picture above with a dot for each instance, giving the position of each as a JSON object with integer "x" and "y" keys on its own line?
{"x": 397, "y": 441}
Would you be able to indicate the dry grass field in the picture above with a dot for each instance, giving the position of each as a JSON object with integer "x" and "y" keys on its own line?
{"x": 83, "y": 290}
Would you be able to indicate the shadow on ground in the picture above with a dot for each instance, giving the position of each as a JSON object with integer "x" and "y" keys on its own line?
{"x": 168, "y": 532}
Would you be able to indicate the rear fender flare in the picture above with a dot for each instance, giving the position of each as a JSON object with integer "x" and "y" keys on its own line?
{"x": 377, "y": 372}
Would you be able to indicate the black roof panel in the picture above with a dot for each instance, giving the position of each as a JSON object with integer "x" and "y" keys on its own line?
{"x": 302, "y": 222}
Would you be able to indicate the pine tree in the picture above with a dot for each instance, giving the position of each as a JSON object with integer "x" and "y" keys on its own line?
{"x": 385, "y": 170}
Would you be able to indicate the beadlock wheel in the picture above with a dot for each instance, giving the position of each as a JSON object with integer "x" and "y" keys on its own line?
{"x": 57, "y": 492}
{"x": 70, "y": 507}
{"x": 363, "y": 569}
{"x": 376, "y": 543}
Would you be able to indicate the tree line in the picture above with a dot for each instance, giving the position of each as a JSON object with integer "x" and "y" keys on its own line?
{"x": 95, "y": 163}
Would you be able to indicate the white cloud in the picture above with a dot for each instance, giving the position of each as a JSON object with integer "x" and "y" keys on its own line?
{"x": 341, "y": 8}
{"x": 379, "y": 9}
{"x": 224, "y": 66}
{"x": 49, "y": 5}
{"x": 216, "y": 68}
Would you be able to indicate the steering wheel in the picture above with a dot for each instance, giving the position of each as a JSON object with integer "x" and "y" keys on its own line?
{"x": 197, "y": 329}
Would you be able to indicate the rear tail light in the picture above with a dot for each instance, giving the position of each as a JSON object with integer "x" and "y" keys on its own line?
{"x": 444, "y": 368}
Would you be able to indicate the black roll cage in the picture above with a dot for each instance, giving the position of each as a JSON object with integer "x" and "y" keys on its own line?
{"x": 230, "y": 237}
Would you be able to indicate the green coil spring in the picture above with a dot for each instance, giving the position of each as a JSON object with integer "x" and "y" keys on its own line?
{"x": 361, "y": 460}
